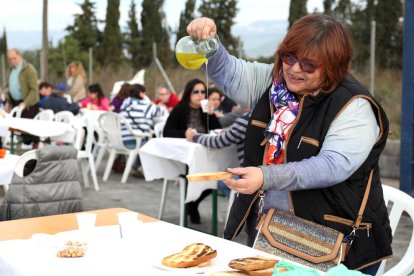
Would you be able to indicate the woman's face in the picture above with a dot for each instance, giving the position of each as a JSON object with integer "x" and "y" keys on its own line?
{"x": 198, "y": 94}
{"x": 72, "y": 70}
{"x": 299, "y": 81}
{"x": 92, "y": 95}
{"x": 215, "y": 99}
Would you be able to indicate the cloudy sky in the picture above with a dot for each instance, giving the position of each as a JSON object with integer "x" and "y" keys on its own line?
{"x": 26, "y": 15}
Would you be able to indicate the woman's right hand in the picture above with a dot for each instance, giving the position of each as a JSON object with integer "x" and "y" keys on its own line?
{"x": 201, "y": 28}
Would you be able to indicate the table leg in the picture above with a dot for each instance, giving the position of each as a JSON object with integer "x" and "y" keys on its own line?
{"x": 214, "y": 213}
{"x": 186, "y": 206}
{"x": 12, "y": 142}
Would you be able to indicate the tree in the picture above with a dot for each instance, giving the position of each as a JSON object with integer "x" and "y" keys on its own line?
{"x": 154, "y": 29}
{"x": 297, "y": 10}
{"x": 85, "y": 28}
{"x": 3, "y": 43}
{"x": 132, "y": 38}
{"x": 223, "y": 12}
{"x": 389, "y": 35}
{"x": 111, "y": 51}
{"x": 185, "y": 18}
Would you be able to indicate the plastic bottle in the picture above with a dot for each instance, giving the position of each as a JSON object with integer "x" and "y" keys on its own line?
{"x": 191, "y": 54}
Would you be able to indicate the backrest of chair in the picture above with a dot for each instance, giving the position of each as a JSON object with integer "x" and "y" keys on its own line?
{"x": 16, "y": 112}
{"x": 158, "y": 129}
{"x": 402, "y": 202}
{"x": 19, "y": 167}
{"x": 45, "y": 115}
{"x": 110, "y": 123}
{"x": 64, "y": 117}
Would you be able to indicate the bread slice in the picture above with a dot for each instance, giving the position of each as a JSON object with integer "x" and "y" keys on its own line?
{"x": 253, "y": 263}
{"x": 190, "y": 256}
{"x": 229, "y": 273}
{"x": 208, "y": 176}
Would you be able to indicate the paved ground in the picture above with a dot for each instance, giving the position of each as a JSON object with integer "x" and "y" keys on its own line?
{"x": 144, "y": 197}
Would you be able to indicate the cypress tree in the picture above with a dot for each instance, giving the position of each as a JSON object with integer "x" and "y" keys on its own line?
{"x": 111, "y": 51}
{"x": 132, "y": 38}
{"x": 223, "y": 13}
{"x": 3, "y": 43}
{"x": 389, "y": 36}
{"x": 154, "y": 30}
{"x": 297, "y": 10}
{"x": 185, "y": 18}
{"x": 85, "y": 27}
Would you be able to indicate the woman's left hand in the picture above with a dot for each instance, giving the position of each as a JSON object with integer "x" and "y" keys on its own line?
{"x": 251, "y": 180}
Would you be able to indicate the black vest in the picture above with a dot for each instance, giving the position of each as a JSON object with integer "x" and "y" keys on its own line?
{"x": 327, "y": 206}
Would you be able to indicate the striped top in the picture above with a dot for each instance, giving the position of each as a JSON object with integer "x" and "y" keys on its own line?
{"x": 233, "y": 135}
{"x": 140, "y": 115}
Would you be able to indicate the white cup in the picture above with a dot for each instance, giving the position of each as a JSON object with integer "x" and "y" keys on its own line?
{"x": 86, "y": 221}
{"x": 204, "y": 105}
{"x": 128, "y": 224}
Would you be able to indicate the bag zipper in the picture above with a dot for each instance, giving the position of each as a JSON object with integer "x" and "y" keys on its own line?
{"x": 309, "y": 141}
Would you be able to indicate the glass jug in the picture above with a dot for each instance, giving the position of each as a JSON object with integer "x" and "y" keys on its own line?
{"x": 191, "y": 54}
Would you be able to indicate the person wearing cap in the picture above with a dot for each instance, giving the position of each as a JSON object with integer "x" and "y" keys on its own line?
{"x": 55, "y": 100}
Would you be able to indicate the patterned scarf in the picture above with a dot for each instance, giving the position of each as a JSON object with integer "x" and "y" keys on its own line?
{"x": 287, "y": 108}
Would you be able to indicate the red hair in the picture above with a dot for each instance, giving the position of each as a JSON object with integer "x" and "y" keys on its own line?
{"x": 325, "y": 40}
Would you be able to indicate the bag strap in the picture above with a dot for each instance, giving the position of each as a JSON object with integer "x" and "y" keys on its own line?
{"x": 364, "y": 202}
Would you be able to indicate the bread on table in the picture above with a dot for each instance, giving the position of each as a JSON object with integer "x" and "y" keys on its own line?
{"x": 208, "y": 176}
{"x": 192, "y": 255}
{"x": 253, "y": 263}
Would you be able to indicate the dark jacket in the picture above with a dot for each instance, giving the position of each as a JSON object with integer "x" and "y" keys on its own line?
{"x": 341, "y": 201}
{"x": 177, "y": 122}
{"x": 58, "y": 103}
{"x": 51, "y": 188}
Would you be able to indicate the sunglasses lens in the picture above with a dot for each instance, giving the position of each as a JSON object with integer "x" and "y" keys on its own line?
{"x": 199, "y": 91}
{"x": 306, "y": 66}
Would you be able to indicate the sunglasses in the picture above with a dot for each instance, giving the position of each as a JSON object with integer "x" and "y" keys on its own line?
{"x": 305, "y": 65}
{"x": 198, "y": 91}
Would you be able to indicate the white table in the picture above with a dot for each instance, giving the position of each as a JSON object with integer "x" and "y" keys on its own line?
{"x": 107, "y": 254}
{"x": 34, "y": 127}
{"x": 168, "y": 157}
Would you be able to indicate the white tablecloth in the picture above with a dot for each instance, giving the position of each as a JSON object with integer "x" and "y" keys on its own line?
{"x": 107, "y": 254}
{"x": 35, "y": 127}
{"x": 7, "y": 165}
{"x": 167, "y": 157}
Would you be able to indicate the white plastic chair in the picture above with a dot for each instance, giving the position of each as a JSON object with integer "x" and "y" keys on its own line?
{"x": 45, "y": 115}
{"x": 19, "y": 167}
{"x": 16, "y": 112}
{"x": 402, "y": 202}
{"x": 110, "y": 123}
{"x": 64, "y": 117}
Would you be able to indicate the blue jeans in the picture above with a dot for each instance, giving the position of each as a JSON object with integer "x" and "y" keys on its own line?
{"x": 372, "y": 269}
{"x": 131, "y": 144}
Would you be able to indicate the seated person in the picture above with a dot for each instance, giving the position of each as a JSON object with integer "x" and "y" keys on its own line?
{"x": 120, "y": 97}
{"x": 96, "y": 99}
{"x": 53, "y": 100}
{"x": 140, "y": 115}
{"x": 188, "y": 118}
{"x": 233, "y": 135}
{"x": 166, "y": 97}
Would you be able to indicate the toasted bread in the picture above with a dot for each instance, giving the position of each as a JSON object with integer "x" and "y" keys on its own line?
{"x": 229, "y": 273}
{"x": 190, "y": 256}
{"x": 252, "y": 263}
{"x": 208, "y": 176}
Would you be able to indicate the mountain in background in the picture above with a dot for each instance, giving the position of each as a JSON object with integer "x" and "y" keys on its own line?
{"x": 260, "y": 38}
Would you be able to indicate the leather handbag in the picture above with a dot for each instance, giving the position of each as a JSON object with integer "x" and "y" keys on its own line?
{"x": 296, "y": 239}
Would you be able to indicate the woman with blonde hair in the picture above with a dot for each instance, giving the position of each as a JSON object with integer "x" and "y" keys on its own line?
{"x": 76, "y": 80}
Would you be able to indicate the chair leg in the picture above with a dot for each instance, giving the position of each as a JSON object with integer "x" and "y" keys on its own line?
{"x": 109, "y": 164}
{"x": 99, "y": 158}
{"x": 93, "y": 172}
{"x": 128, "y": 166}
{"x": 182, "y": 200}
{"x": 84, "y": 173}
{"x": 163, "y": 195}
